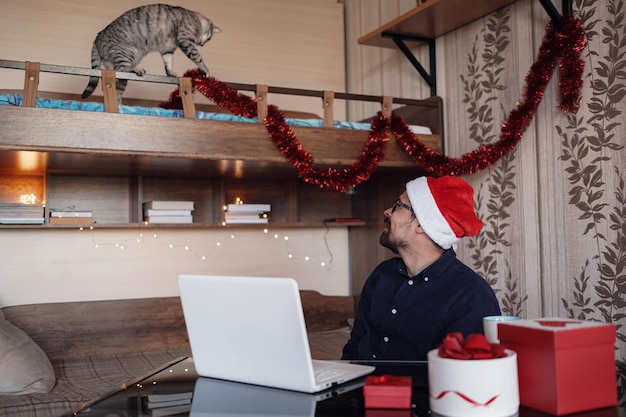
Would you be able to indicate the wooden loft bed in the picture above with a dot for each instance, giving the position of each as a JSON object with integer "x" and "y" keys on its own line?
{"x": 112, "y": 162}
{"x": 69, "y": 141}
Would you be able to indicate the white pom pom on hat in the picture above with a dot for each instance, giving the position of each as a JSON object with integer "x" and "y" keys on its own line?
{"x": 444, "y": 208}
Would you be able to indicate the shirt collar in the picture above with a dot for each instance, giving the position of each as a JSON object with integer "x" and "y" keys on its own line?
{"x": 434, "y": 270}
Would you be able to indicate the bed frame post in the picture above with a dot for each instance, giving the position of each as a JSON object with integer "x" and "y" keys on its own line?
{"x": 387, "y": 106}
{"x": 31, "y": 82}
{"x": 329, "y": 101}
{"x": 186, "y": 95}
{"x": 261, "y": 102}
{"x": 109, "y": 91}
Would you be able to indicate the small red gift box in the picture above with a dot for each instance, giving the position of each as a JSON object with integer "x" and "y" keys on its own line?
{"x": 564, "y": 365}
{"x": 387, "y": 391}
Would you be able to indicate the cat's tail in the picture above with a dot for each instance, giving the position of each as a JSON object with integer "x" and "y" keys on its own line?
{"x": 95, "y": 64}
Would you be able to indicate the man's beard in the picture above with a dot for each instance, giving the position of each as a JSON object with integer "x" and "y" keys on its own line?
{"x": 385, "y": 241}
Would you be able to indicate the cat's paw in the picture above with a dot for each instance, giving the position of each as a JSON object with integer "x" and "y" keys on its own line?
{"x": 171, "y": 73}
{"x": 140, "y": 71}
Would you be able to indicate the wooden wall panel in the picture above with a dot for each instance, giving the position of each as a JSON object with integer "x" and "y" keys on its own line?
{"x": 71, "y": 265}
{"x": 379, "y": 71}
{"x": 289, "y": 43}
{"x": 297, "y": 44}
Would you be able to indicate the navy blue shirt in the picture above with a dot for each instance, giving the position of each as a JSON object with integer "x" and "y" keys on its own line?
{"x": 402, "y": 317}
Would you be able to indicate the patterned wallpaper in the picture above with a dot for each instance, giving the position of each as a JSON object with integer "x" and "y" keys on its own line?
{"x": 587, "y": 149}
{"x": 554, "y": 241}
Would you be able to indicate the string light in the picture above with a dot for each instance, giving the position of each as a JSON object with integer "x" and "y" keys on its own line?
{"x": 28, "y": 198}
{"x": 218, "y": 244}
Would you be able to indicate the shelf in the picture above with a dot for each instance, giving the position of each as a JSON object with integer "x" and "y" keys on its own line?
{"x": 117, "y": 201}
{"x": 430, "y": 20}
{"x": 193, "y": 226}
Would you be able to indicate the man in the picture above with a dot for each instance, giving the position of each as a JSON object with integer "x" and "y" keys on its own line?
{"x": 411, "y": 302}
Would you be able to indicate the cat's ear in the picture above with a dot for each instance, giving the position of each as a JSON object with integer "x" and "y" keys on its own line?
{"x": 216, "y": 29}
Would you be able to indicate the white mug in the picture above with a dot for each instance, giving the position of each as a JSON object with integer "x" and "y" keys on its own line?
{"x": 490, "y": 326}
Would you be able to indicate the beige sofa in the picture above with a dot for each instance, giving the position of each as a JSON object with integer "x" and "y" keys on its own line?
{"x": 95, "y": 347}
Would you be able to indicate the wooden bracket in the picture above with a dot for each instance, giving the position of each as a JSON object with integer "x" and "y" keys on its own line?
{"x": 186, "y": 96}
{"x": 261, "y": 102}
{"x": 31, "y": 82}
{"x": 430, "y": 77}
{"x": 329, "y": 101}
{"x": 387, "y": 105}
{"x": 109, "y": 91}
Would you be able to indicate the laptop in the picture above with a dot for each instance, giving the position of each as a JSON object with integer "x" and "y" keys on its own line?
{"x": 252, "y": 330}
{"x": 216, "y": 397}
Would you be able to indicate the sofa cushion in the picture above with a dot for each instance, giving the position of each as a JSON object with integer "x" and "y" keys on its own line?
{"x": 24, "y": 367}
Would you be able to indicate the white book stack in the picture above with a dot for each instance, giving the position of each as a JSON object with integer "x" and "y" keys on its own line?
{"x": 168, "y": 212}
{"x": 17, "y": 213}
{"x": 247, "y": 213}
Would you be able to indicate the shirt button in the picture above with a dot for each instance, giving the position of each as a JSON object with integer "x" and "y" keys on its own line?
{"x": 374, "y": 356}
{"x": 394, "y": 311}
{"x": 425, "y": 279}
{"x": 386, "y": 339}
{"x": 410, "y": 282}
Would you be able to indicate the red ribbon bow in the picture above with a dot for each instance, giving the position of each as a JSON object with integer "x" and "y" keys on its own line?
{"x": 475, "y": 346}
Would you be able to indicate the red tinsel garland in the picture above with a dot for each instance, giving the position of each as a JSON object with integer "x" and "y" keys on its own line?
{"x": 565, "y": 45}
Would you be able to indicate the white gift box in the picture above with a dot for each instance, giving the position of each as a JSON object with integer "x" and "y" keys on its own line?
{"x": 473, "y": 388}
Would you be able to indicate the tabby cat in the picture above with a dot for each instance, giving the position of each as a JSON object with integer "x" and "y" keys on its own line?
{"x": 152, "y": 28}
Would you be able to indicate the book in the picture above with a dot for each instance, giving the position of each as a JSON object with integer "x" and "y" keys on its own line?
{"x": 168, "y": 205}
{"x": 243, "y": 218}
{"x": 66, "y": 214}
{"x": 152, "y": 401}
{"x": 344, "y": 220}
{"x": 171, "y": 403}
{"x": 21, "y": 220}
{"x": 251, "y": 208}
{"x": 166, "y": 398}
{"x": 258, "y": 220}
{"x": 18, "y": 210}
{"x": 169, "y": 411}
{"x": 170, "y": 219}
{"x": 236, "y": 216}
{"x": 157, "y": 212}
{"x": 70, "y": 220}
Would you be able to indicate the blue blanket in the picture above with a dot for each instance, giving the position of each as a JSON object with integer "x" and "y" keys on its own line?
{"x": 16, "y": 100}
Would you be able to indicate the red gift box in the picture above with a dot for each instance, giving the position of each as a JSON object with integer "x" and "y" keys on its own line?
{"x": 564, "y": 365}
{"x": 387, "y": 391}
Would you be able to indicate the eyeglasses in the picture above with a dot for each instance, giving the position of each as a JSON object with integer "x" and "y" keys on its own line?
{"x": 399, "y": 203}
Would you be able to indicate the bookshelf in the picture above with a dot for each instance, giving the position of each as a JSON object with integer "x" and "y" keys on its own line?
{"x": 116, "y": 200}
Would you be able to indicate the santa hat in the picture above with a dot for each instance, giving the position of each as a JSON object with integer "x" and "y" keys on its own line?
{"x": 444, "y": 208}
